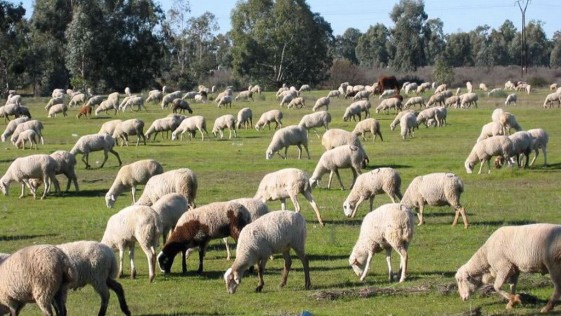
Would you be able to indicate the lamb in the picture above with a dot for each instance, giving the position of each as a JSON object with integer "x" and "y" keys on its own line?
{"x": 390, "y": 103}
{"x": 136, "y": 223}
{"x": 85, "y": 110}
{"x": 224, "y": 101}
{"x": 551, "y": 98}
{"x": 169, "y": 123}
{"x": 58, "y": 108}
{"x": 191, "y": 125}
{"x": 197, "y": 227}
{"x": 128, "y": 128}
{"x": 245, "y": 95}
{"x": 408, "y": 122}
{"x": 182, "y": 181}
{"x": 436, "y": 98}
{"x": 489, "y": 130}
{"x": 244, "y": 119}
{"x": 511, "y": 99}
{"x": 222, "y": 122}
{"x": 65, "y": 163}
{"x": 180, "y": 105}
{"x": 129, "y": 176}
{"x": 39, "y": 166}
{"x": 284, "y": 138}
{"x": 156, "y": 95}
{"x": 508, "y": 121}
{"x": 336, "y": 137}
{"x": 414, "y": 101}
{"x": 452, "y": 101}
{"x": 95, "y": 142}
{"x": 95, "y": 100}
{"x": 510, "y": 250}
{"x": 316, "y": 119}
{"x": 269, "y": 117}
{"x": 35, "y": 125}
{"x": 426, "y": 114}
{"x": 363, "y": 94}
{"x": 346, "y": 156}
{"x": 352, "y": 111}
{"x": 436, "y": 189}
{"x": 539, "y": 140}
{"x": 276, "y": 232}
{"x": 321, "y": 102}
{"x": 38, "y": 273}
{"x": 105, "y": 106}
{"x": 388, "y": 227}
{"x": 483, "y": 150}
{"x": 298, "y": 102}
{"x": 369, "y": 184}
{"x": 53, "y": 101}
{"x": 77, "y": 98}
{"x": 287, "y": 183}
{"x": 95, "y": 264}
{"x": 467, "y": 99}
{"x": 387, "y": 93}
{"x": 27, "y": 136}
{"x": 11, "y": 127}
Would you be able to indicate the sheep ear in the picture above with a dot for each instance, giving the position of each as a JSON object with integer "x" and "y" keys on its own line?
{"x": 112, "y": 197}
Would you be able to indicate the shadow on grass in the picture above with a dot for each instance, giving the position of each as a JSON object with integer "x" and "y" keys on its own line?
{"x": 501, "y": 223}
{"x": 182, "y": 313}
{"x": 387, "y": 166}
{"x": 24, "y": 237}
{"x": 86, "y": 193}
{"x": 548, "y": 168}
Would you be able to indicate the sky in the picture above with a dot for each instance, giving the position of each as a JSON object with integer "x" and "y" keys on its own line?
{"x": 456, "y": 15}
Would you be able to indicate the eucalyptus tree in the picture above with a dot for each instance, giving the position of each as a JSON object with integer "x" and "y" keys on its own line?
{"x": 345, "y": 44}
{"x": 409, "y": 17}
{"x": 13, "y": 34}
{"x": 372, "y": 47}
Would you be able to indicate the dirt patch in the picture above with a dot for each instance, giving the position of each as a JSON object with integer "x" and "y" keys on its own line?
{"x": 378, "y": 291}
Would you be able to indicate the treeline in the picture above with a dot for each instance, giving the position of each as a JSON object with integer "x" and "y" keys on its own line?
{"x": 107, "y": 45}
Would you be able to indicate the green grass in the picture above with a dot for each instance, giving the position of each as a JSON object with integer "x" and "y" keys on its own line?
{"x": 229, "y": 169}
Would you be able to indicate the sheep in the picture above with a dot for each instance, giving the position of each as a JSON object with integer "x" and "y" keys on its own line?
{"x": 553, "y": 86}
{"x": 39, "y": 166}
{"x": 166, "y": 124}
{"x": 95, "y": 264}
{"x": 191, "y": 125}
{"x": 352, "y": 111}
{"x": 441, "y": 88}
{"x": 276, "y": 232}
{"x": 131, "y": 102}
{"x": 38, "y": 273}
{"x": 57, "y": 93}
{"x": 136, "y": 223}
{"x": 286, "y": 99}
{"x": 361, "y": 95}
{"x": 333, "y": 94}
{"x": 387, "y": 93}
{"x": 388, "y": 227}
{"x": 129, "y": 176}
{"x": 345, "y": 156}
{"x": 269, "y": 117}
{"x": 77, "y": 98}
{"x": 436, "y": 98}
{"x": 58, "y": 108}
{"x": 11, "y": 127}
{"x": 182, "y": 181}
{"x": 109, "y": 127}
{"x": 222, "y": 122}
{"x": 369, "y": 184}
{"x": 286, "y": 136}
{"x": 368, "y": 125}
{"x": 495, "y": 91}
{"x": 316, "y": 119}
{"x": 35, "y": 125}
{"x": 511, "y": 99}
{"x": 95, "y": 100}
{"x": 408, "y": 122}
{"x": 95, "y": 142}
{"x": 508, "y": 251}
{"x": 364, "y": 107}
{"x": 521, "y": 144}
{"x": 467, "y": 99}
{"x": 508, "y": 121}
{"x": 409, "y": 87}
{"x": 128, "y": 128}
{"x": 197, "y": 227}
{"x": 335, "y": 137}
{"x": 390, "y": 103}
{"x": 169, "y": 208}
{"x": 551, "y": 98}
{"x": 256, "y": 89}
{"x": 190, "y": 95}
{"x": 425, "y": 115}
{"x": 398, "y": 116}
{"x": 483, "y": 87}
{"x": 287, "y": 183}
{"x": 539, "y": 140}
{"x": 155, "y": 95}
{"x": 106, "y": 105}
{"x": 65, "y": 164}
{"x": 26, "y": 136}
{"x": 85, "y": 110}
{"x": 414, "y": 101}
{"x": 224, "y": 101}
{"x": 180, "y": 105}
{"x": 435, "y": 189}
{"x": 168, "y": 98}
{"x": 483, "y": 150}
{"x": 469, "y": 87}
{"x": 321, "y": 102}
{"x": 298, "y": 102}
{"x": 245, "y": 95}
{"x": 53, "y": 101}
{"x": 452, "y": 101}
{"x": 490, "y": 129}
{"x": 244, "y": 118}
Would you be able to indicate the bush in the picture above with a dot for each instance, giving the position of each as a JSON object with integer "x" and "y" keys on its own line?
{"x": 537, "y": 82}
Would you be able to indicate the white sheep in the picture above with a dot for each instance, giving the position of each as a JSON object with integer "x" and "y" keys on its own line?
{"x": 316, "y": 119}
{"x": 105, "y": 106}
{"x": 27, "y": 136}
{"x": 197, "y": 227}
{"x": 521, "y": 145}
{"x": 182, "y": 181}
{"x": 407, "y": 123}
{"x": 333, "y": 94}
{"x": 390, "y": 103}
{"x": 511, "y": 99}
{"x": 321, "y": 102}
{"x": 452, "y": 101}
{"x": 95, "y": 100}
{"x": 136, "y": 223}
{"x": 245, "y": 95}
{"x": 539, "y": 140}
{"x": 222, "y": 122}
{"x": 11, "y": 127}
{"x": 168, "y": 98}
{"x": 363, "y": 94}
{"x": 166, "y": 124}
{"x": 225, "y": 100}
{"x": 489, "y": 130}
{"x": 388, "y": 227}
{"x": 483, "y": 150}
{"x": 77, "y": 98}
{"x": 441, "y": 88}
{"x": 298, "y": 102}
{"x": 398, "y": 116}
{"x": 352, "y": 111}
{"x": 425, "y": 115}
{"x": 284, "y": 138}
{"x": 180, "y": 106}
{"x": 129, "y": 176}
{"x": 551, "y": 98}
{"x": 128, "y": 128}
{"x": 155, "y": 95}
{"x": 65, "y": 164}
{"x": 95, "y": 142}
{"x": 53, "y": 101}
{"x": 387, "y": 93}
{"x": 436, "y": 189}
{"x": 510, "y": 250}
{"x": 191, "y": 125}
{"x": 483, "y": 87}
{"x": 268, "y": 118}
{"x": 95, "y": 264}
{"x": 437, "y": 98}
{"x": 469, "y": 87}
{"x": 244, "y": 118}
{"x": 131, "y": 102}
{"x": 275, "y": 232}
{"x": 367, "y": 185}
{"x": 35, "y": 274}
{"x": 508, "y": 121}
{"x": 414, "y": 101}
{"x": 467, "y": 99}
{"x": 287, "y": 183}
{"x": 22, "y": 169}
{"x": 346, "y": 156}
{"x": 370, "y": 125}
{"x": 169, "y": 208}
{"x": 256, "y": 89}
{"x": 335, "y": 137}
{"x": 35, "y": 125}
{"x": 109, "y": 127}
{"x": 286, "y": 99}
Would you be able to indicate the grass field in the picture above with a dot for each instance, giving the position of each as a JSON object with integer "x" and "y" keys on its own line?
{"x": 228, "y": 169}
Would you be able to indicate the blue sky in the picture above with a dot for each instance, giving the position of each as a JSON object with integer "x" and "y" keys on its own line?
{"x": 457, "y": 15}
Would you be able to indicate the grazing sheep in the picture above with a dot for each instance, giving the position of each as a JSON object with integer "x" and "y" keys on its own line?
{"x": 129, "y": 176}
{"x": 368, "y": 125}
{"x": 551, "y": 98}
{"x": 452, "y": 101}
{"x": 521, "y": 145}
{"x": 508, "y": 121}
{"x": 169, "y": 208}
{"x": 95, "y": 264}
{"x": 495, "y": 92}
{"x": 369, "y": 184}
{"x": 414, "y": 101}
{"x": 35, "y": 125}
{"x": 321, "y": 102}
{"x": 256, "y": 89}
{"x": 398, "y": 116}
{"x": 85, "y": 110}
{"x": 425, "y": 115}
{"x": 363, "y": 94}
{"x": 407, "y": 123}
{"x": 333, "y": 94}
{"x": 269, "y": 117}
{"x": 436, "y": 98}
{"x": 166, "y": 124}
{"x": 284, "y": 138}
{"x": 336, "y": 137}
{"x": 245, "y": 95}
{"x": 65, "y": 164}
{"x": 155, "y": 95}
{"x": 286, "y": 99}
{"x": 275, "y": 232}
{"x": 105, "y": 106}
{"x": 22, "y": 169}
{"x": 95, "y": 100}
{"x": 287, "y": 183}
{"x": 11, "y": 127}
{"x": 197, "y": 227}
{"x": 356, "y": 108}
{"x": 245, "y": 118}
{"x": 298, "y": 102}
{"x": 390, "y": 103}
{"x": 483, "y": 150}
{"x": 168, "y": 98}
{"x": 95, "y": 142}
{"x": 222, "y": 122}
{"x": 346, "y": 156}
{"x": 388, "y": 227}
{"x": 128, "y": 128}
{"x": 539, "y": 140}
{"x": 316, "y": 119}
{"x": 27, "y": 136}
{"x": 490, "y": 129}
{"x": 441, "y": 88}
{"x": 180, "y": 105}
{"x": 469, "y": 87}
{"x": 182, "y": 181}
{"x": 77, "y": 98}
{"x": 467, "y": 99}
{"x": 191, "y": 125}
{"x": 131, "y": 102}
{"x": 136, "y": 223}
{"x": 387, "y": 93}
{"x": 37, "y": 274}
{"x": 511, "y": 99}
{"x": 553, "y": 86}
{"x": 225, "y": 101}
{"x": 509, "y": 251}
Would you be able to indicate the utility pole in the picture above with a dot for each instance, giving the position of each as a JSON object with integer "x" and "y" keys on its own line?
{"x": 523, "y": 5}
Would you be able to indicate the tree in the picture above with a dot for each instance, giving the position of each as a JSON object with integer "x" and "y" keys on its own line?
{"x": 372, "y": 47}
{"x": 409, "y": 17}
{"x": 500, "y": 42}
{"x": 539, "y": 48}
{"x": 433, "y": 40}
{"x": 443, "y": 72}
{"x": 280, "y": 41}
{"x": 345, "y": 45}
{"x": 555, "y": 57}
{"x": 458, "y": 50}
{"x": 13, "y": 29}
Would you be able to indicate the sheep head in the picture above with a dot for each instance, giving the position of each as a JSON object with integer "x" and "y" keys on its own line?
{"x": 110, "y": 200}
{"x": 467, "y": 283}
{"x": 232, "y": 280}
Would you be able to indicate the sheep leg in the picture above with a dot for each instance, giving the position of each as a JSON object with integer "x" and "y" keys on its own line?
{"x": 131, "y": 257}
{"x": 299, "y": 151}
{"x": 283, "y": 205}
{"x": 461, "y": 211}
{"x": 116, "y": 155}
{"x": 184, "y": 255}
{"x": 285, "y": 153}
{"x": 309, "y": 197}
{"x": 420, "y": 215}
{"x": 228, "y": 253}
{"x": 24, "y": 183}
{"x": 118, "y": 289}
{"x": 307, "y": 152}
{"x": 389, "y": 262}
{"x": 367, "y": 265}
{"x": 85, "y": 159}
{"x": 121, "y": 259}
{"x": 481, "y": 166}
{"x": 202, "y": 250}
{"x": 556, "y": 279}
{"x": 287, "y": 266}
{"x": 53, "y": 181}
{"x": 403, "y": 258}
{"x": 504, "y": 273}
{"x": 103, "y": 292}
{"x": 536, "y": 152}
{"x": 260, "y": 271}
